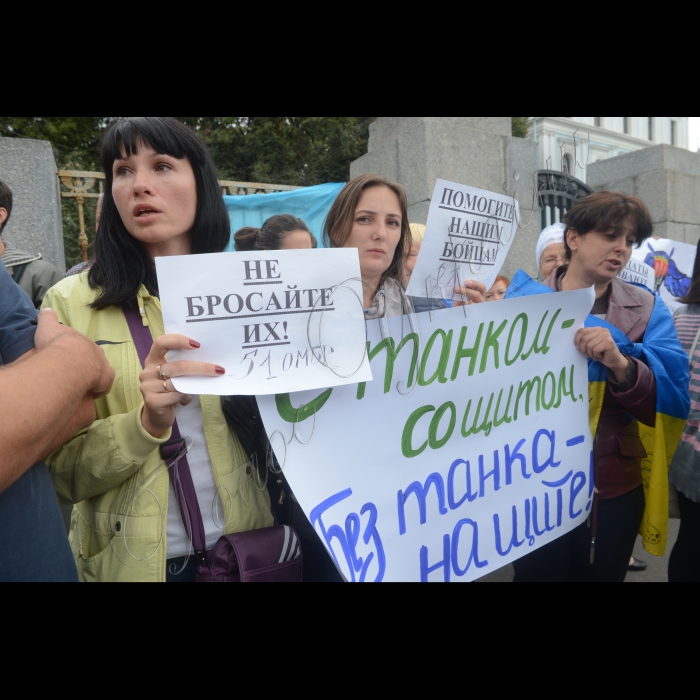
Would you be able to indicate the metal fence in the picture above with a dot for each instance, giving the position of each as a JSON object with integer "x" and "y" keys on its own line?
{"x": 81, "y": 186}
{"x": 558, "y": 192}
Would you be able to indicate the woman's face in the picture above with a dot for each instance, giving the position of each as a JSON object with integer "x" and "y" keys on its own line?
{"x": 156, "y": 196}
{"x": 296, "y": 240}
{"x": 412, "y": 259}
{"x": 602, "y": 256}
{"x": 376, "y": 231}
{"x": 497, "y": 292}
{"x": 554, "y": 256}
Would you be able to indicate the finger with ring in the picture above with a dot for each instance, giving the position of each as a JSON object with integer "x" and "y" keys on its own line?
{"x": 165, "y": 386}
{"x": 160, "y": 375}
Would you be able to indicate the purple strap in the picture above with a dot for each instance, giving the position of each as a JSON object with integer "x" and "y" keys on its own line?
{"x": 179, "y": 470}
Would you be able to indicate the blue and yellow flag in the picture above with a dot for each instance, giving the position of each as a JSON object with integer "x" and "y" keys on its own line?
{"x": 663, "y": 353}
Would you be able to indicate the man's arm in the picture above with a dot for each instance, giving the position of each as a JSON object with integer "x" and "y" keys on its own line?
{"x": 48, "y": 397}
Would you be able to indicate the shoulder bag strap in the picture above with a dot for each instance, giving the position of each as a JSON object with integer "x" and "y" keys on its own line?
{"x": 18, "y": 272}
{"x": 173, "y": 452}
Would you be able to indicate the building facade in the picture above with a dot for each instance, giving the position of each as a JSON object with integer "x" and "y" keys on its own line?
{"x": 570, "y": 144}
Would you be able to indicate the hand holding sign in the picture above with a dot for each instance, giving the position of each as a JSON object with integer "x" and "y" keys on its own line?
{"x": 468, "y": 236}
{"x": 471, "y": 293}
{"x": 159, "y": 394}
{"x": 597, "y": 344}
{"x": 278, "y": 321}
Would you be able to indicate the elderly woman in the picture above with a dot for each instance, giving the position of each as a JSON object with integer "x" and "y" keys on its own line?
{"x": 551, "y": 251}
{"x": 601, "y": 232}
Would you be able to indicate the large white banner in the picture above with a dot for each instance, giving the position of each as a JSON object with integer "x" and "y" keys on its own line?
{"x": 468, "y": 236}
{"x": 673, "y": 263}
{"x": 276, "y": 321}
{"x": 470, "y": 449}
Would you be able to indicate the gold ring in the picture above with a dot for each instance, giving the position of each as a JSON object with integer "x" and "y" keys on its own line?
{"x": 165, "y": 386}
{"x": 160, "y": 375}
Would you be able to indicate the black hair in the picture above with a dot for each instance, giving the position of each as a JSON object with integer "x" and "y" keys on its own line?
{"x": 694, "y": 292}
{"x": 122, "y": 264}
{"x": 270, "y": 236}
{"x": 5, "y": 202}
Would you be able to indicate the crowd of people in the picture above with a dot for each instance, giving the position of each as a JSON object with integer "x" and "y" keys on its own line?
{"x": 88, "y": 414}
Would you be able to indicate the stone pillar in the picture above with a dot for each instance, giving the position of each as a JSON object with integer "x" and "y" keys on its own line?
{"x": 666, "y": 178}
{"x": 29, "y": 168}
{"x": 475, "y": 151}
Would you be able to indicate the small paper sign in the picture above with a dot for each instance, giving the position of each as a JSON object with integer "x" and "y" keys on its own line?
{"x": 277, "y": 321}
{"x": 468, "y": 236}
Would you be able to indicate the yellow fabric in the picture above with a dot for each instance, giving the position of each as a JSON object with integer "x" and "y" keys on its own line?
{"x": 113, "y": 470}
{"x": 661, "y": 443}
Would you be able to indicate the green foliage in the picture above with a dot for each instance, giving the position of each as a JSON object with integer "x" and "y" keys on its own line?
{"x": 301, "y": 151}
{"x": 520, "y": 126}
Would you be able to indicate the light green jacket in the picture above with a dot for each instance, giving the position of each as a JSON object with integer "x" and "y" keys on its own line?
{"x": 113, "y": 470}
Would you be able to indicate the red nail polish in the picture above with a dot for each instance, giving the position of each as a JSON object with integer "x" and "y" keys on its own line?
{"x": 195, "y": 344}
{"x": 220, "y": 370}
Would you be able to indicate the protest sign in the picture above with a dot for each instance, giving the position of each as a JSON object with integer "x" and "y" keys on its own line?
{"x": 471, "y": 449}
{"x": 468, "y": 236}
{"x": 276, "y": 321}
{"x": 673, "y": 263}
{"x": 638, "y": 272}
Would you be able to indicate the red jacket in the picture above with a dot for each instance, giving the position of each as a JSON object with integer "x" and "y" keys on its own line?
{"x": 618, "y": 449}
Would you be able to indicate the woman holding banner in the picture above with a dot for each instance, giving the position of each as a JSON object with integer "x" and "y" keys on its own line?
{"x": 162, "y": 199}
{"x": 371, "y": 214}
{"x": 638, "y": 394}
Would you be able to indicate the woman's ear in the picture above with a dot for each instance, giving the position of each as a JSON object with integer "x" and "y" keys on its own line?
{"x": 573, "y": 239}
{"x": 3, "y": 218}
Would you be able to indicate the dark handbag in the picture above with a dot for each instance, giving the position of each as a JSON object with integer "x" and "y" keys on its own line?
{"x": 272, "y": 555}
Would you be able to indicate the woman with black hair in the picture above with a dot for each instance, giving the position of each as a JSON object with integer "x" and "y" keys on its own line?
{"x": 685, "y": 469}
{"x": 162, "y": 198}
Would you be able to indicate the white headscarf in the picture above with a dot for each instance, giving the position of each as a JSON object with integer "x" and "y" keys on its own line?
{"x": 551, "y": 235}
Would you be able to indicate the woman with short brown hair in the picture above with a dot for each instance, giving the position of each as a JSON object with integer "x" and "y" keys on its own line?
{"x": 601, "y": 232}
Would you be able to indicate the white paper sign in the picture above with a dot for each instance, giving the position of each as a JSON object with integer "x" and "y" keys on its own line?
{"x": 471, "y": 449}
{"x": 276, "y": 321}
{"x": 673, "y": 263}
{"x": 638, "y": 272}
{"x": 468, "y": 236}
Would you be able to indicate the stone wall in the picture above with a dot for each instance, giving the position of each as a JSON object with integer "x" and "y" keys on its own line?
{"x": 666, "y": 178}
{"x": 475, "y": 151}
{"x": 29, "y": 168}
